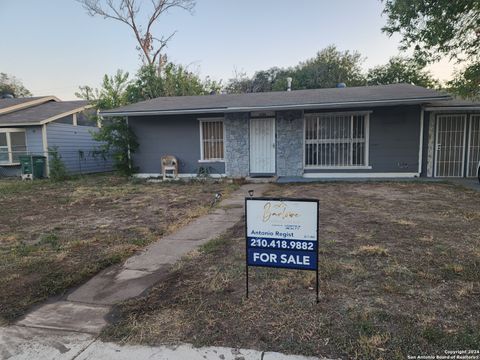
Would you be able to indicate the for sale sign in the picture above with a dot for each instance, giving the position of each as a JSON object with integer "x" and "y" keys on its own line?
{"x": 282, "y": 233}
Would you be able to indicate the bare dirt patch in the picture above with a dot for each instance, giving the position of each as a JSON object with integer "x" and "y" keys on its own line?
{"x": 56, "y": 235}
{"x": 400, "y": 275}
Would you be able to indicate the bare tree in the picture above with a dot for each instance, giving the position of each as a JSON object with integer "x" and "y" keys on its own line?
{"x": 127, "y": 12}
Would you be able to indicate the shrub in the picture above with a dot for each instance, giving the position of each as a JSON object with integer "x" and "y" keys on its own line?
{"x": 58, "y": 172}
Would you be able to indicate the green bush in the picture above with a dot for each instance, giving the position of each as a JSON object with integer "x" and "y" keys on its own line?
{"x": 58, "y": 172}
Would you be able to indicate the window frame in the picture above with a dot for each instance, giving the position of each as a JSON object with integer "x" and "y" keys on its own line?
{"x": 201, "y": 121}
{"x": 7, "y": 132}
{"x": 366, "y": 115}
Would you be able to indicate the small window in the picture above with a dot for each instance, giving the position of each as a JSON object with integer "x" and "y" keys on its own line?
{"x": 18, "y": 145}
{"x": 87, "y": 118}
{"x": 65, "y": 120}
{"x": 4, "y": 156}
{"x": 12, "y": 145}
{"x": 211, "y": 140}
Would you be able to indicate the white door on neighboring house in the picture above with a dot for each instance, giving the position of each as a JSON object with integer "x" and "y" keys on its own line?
{"x": 262, "y": 146}
{"x": 450, "y": 145}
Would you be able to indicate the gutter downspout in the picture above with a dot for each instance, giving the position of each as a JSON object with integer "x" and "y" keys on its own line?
{"x": 420, "y": 149}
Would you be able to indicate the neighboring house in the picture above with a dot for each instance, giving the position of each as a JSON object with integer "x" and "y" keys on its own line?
{"x": 359, "y": 132}
{"x": 30, "y": 126}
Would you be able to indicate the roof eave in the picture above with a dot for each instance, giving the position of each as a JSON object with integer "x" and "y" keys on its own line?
{"x": 50, "y": 119}
{"x": 412, "y": 101}
{"x": 27, "y": 104}
{"x": 452, "y": 108}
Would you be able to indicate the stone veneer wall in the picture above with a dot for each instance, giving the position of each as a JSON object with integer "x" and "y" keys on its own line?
{"x": 289, "y": 143}
{"x": 236, "y": 144}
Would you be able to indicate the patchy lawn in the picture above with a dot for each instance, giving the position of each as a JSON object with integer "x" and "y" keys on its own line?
{"x": 56, "y": 235}
{"x": 400, "y": 275}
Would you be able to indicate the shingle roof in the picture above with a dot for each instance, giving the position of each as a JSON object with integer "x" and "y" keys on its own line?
{"x": 299, "y": 99}
{"x": 40, "y": 114}
{"x": 455, "y": 103}
{"x": 4, "y": 103}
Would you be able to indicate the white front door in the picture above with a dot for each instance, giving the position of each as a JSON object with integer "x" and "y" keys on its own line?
{"x": 262, "y": 146}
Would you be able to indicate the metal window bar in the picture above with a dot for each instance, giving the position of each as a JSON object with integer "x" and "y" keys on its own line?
{"x": 340, "y": 140}
{"x": 212, "y": 140}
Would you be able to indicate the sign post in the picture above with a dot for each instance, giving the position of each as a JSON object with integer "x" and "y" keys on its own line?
{"x": 282, "y": 233}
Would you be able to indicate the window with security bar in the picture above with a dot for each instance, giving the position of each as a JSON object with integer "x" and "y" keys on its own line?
{"x": 338, "y": 140}
{"x": 211, "y": 140}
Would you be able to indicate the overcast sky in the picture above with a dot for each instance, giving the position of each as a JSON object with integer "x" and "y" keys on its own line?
{"x": 53, "y": 46}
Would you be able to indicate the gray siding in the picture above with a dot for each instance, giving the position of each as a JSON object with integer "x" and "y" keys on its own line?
{"x": 394, "y": 141}
{"x": 76, "y": 147}
{"x": 170, "y": 135}
{"x": 34, "y": 140}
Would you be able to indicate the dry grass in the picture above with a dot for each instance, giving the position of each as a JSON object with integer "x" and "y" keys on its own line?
{"x": 56, "y": 235}
{"x": 420, "y": 299}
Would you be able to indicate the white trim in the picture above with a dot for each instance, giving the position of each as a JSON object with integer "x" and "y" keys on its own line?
{"x": 275, "y": 107}
{"x": 9, "y": 147}
{"x": 470, "y": 123}
{"x": 453, "y": 108}
{"x": 313, "y": 167}
{"x": 464, "y": 144}
{"x": 200, "y": 124}
{"x": 211, "y": 161}
{"x": 353, "y": 175}
{"x": 10, "y": 130}
{"x": 367, "y": 139}
{"x": 420, "y": 149}
{"x": 182, "y": 176}
{"x": 7, "y": 132}
{"x": 45, "y": 149}
{"x": 74, "y": 118}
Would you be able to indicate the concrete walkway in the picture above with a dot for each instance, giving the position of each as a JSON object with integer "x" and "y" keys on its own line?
{"x": 67, "y": 328}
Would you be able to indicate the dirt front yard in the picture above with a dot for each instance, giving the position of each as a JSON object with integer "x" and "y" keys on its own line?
{"x": 56, "y": 235}
{"x": 400, "y": 275}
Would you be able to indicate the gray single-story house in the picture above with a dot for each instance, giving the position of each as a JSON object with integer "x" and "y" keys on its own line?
{"x": 33, "y": 125}
{"x": 382, "y": 131}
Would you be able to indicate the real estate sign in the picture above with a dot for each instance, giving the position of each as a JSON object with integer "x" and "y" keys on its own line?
{"x": 282, "y": 233}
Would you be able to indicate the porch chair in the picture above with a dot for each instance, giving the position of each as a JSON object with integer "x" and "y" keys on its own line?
{"x": 169, "y": 167}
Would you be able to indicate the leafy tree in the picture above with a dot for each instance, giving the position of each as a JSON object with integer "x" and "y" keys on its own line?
{"x": 328, "y": 68}
{"x": 119, "y": 140}
{"x": 401, "y": 70}
{"x": 115, "y": 137}
{"x": 466, "y": 83}
{"x": 131, "y": 13}
{"x": 11, "y": 85}
{"x": 436, "y": 28}
{"x": 174, "y": 80}
{"x": 112, "y": 93}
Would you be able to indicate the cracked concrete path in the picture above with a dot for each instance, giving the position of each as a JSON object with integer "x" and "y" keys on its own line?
{"x": 67, "y": 328}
